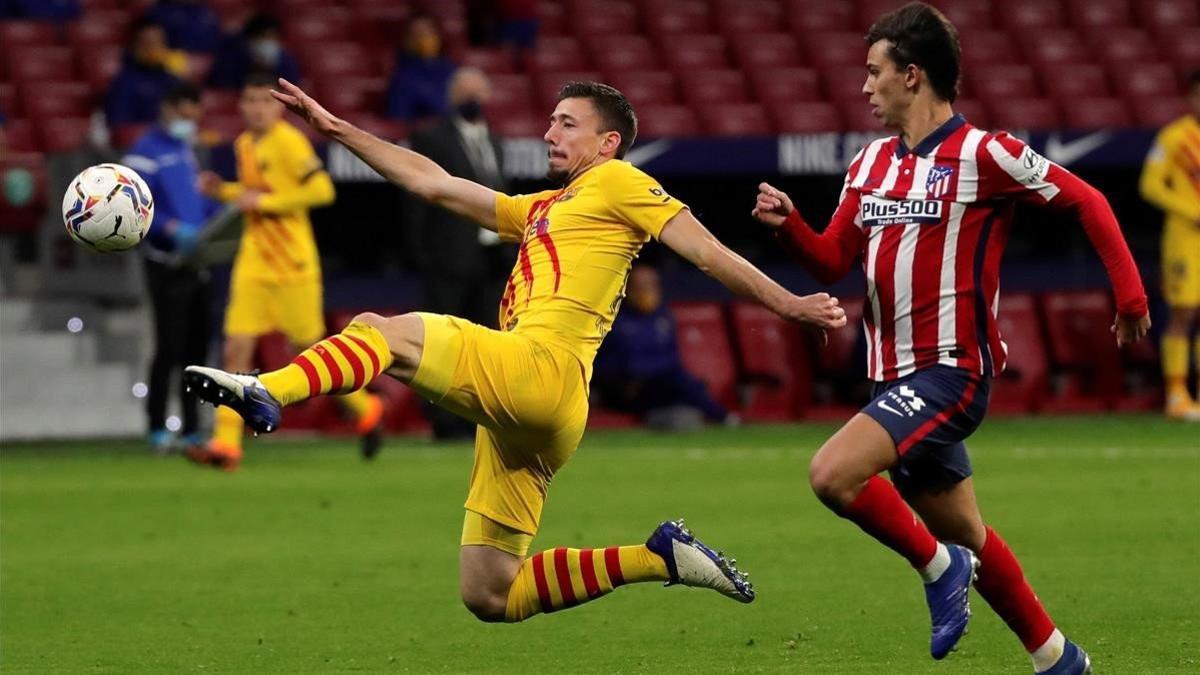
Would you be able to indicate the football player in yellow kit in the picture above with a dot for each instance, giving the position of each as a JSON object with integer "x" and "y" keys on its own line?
{"x": 526, "y": 385}
{"x": 1171, "y": 181}
{"x": 276, "y": 280}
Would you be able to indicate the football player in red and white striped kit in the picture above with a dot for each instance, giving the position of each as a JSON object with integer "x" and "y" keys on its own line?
{"x": 929, "y": 213}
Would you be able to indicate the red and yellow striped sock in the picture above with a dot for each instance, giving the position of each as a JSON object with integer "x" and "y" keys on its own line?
{"x": 565, "y": 577}
{"x": 339, "y": 364}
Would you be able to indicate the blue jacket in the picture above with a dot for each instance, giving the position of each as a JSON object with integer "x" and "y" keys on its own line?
{"x": 169, "y": 168}
{"x": 135, "y": 94}
{"x": 639, "y": 346}
{"x": 418, "y": 88}
{"x": 192, "y": 27}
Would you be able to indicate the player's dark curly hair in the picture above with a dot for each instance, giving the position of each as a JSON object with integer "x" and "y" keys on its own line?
{"x": 181, "y": 92}
{"x": 615, "y": 112}
{"x": 922, "y": 36}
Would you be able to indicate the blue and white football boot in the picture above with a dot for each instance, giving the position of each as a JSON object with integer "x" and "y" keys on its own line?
{"x": 949, "y": 608}
{"x": 244, "y": 393}
{"x": 691, "y": 563}
{"x": 1074, "y": 661}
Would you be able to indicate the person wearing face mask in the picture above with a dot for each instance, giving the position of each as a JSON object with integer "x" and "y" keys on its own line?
{"x": 179, "y": 295}
{"x": 421, "y": 77}
{"x": 257, "y": 49}
{"x": 464, "y": 267}
{"x": 148, "y": 70}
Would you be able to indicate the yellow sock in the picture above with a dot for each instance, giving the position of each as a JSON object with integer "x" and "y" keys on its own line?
{"x": 228, "y": 429}
{"x": 342, "y": 363}
{"x": 565, "y": 577}
{"x": 1175, "y": 365}
{"x": 366, "y": 408}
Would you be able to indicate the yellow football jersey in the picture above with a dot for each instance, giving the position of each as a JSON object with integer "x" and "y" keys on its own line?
{"x": 1171, "y": 176}
{"x": 577, "y": 247}
{"x": 277, "y": 244}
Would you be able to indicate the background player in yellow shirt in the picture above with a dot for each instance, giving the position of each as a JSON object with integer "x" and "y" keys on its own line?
{"x": 1171, "y": 181}
{"x": 526, "y": 385}
{"x": 276, "y": 280}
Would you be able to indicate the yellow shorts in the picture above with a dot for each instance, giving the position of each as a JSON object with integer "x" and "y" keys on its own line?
{"x": 529, "y": 400}
{"x": 1181, "y": 265}
{"x": 260, "y": 307}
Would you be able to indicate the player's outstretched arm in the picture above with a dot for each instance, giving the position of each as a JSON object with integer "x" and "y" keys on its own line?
{"x": 689, "y": 238}
{"x": 412, "y": 171}
{"x": 827, "y": 256}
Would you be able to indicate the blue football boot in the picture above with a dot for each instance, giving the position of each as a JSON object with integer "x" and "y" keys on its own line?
{"x": 947, "y": 599}
{"x": 244, "y": 393}
{"x": 1074, "y": 661}
{"x": 691, "y": 563}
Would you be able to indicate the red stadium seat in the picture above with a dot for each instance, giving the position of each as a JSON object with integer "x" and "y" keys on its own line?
{"x": 547, "y": 85}
{"x": 31, "y": 33}
{"x": 839, "y": 367}
{"x": 39, "y": 64}
{"x": 646, "y": 87}
{"x": 857, "y": 116}
{"x": 1003, "y": 81}
{"x": 1023, "y": 386}
{"x": 869, "y": 11}
{"x": 84, "y": 35}
{"x": 345, "y": 95}
{"x": 766, "y": 51}
{"x": 776, "y": 372}
{"x": 974, "y": 111}
{"x": 603, "y": 17}
{"x": 685, "y": 52}
{"x": 1046, "y": 47}
{"x": 779, "y": 85}
{"x": 219, "y": 102}
{"x": 1168, "y": 14}
{"x": 702, "y": 87}
{"x": 1095, "y": 113}
{"x": 845, "y": 84}
{"x": 513, "y": 92}
{"x": 516, "y": 123}
{"x": 387, "y": 129}
{"x": 552, "y": 18}
{"x": 1086, "y": 367}
{"x": 64, "y": 134}
{"x": 662, "y": 17}
{"x": 8, "y": 99}
{"x": 1100, "y": 14}
{"x": 99, "y": 64}
{"x": 223, "y": 127}
{"x": 558, "y": 53}
{"x": 705, "y": 348}
{"x": 330, "y": 24}
{"x": 22, "y": 136}
{"x": 336, "y": 59}
{"x": 1182, "y": 46}
{"x": 56, "y": 99}
{"x": 1157, "y": 113}
{"x": 378, "y": 25}
{"x": 669, "y": 121}
{"x": 1075, "y": 80}
{"x": 1151, "y": 80}
{"x": 807, "y": 17}
{"x": 987, "y": 47}
{"x": 835, "y": 49}
{"x": 805, "y": 117}
{"x": 26, "y": 218}
{"x": 622, "y": 53}
{"x": 1123, "y": 45}
{"x": 1018, "y": 15}
{"x": 1011, "y": 114}
{"x": 967, "y": 15}
{"x": 735, "y": 119}
{"x": 487, "y": 59}
{"x": 738, "y": 18}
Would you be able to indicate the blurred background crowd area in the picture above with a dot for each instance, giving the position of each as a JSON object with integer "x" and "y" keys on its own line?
{"x": 719, "y": 86}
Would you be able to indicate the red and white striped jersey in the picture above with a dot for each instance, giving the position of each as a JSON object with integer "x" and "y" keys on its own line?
{"x": 931, "y": 224}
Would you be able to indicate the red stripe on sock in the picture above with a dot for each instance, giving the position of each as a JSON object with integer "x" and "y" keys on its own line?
{"x": 927, "y": 428}
{"x": 310, "y": 371}
{"x": 356, "y": 364}
{"x": 370, "y": 353}
{"x": 881, "y": 513}
{"x": 335, "y": 372}
{"x": 587, "y": 566}
{"x": 564, "y": 577}
{"x": 539, "y": 578}
{"x": 612, "y": 564}
{"x": 1002, "y": 583}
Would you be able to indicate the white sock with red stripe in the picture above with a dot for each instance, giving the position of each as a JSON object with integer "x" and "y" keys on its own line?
{"x": 936, "y": 567}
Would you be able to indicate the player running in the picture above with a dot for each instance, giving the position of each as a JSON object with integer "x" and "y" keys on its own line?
{"x": 526, "y": 385}
{"x": 1171, "y": 181}
{"x": 276, "y": 280}
{"x": 929, "y": 211}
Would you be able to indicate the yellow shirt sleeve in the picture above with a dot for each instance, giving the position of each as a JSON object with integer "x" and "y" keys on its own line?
{"x": 637, "y": 199}
{"x": 1158, "y": 179}
{"x": 312, "y": 187}
{"x": 511, "y": 213}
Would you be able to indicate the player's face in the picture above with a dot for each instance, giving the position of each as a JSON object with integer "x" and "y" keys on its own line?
{"x": 886, "y": 86}
{"x": 574, "y": 140}
{"x": 260, "y": 110}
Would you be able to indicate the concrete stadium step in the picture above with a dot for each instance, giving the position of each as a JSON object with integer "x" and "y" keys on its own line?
{"x": 16, "y": 314}
{"x": 41, "y": 353}
{"x": 95, "y": 401}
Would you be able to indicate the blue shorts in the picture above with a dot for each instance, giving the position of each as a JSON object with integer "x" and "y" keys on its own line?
{"x": 928, "y": 415}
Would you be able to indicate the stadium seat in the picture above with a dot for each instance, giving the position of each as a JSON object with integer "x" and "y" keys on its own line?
{"x": 547, "y": 85}
{"x": 1075, "y": 79}
{"x": 705, "y": 348}
{"x": 869, "y": 11}
{"x": 1150, "y": 80}
{"x": 1018, "y": 15}
{"x": 1012, "y": 114}
{"x": 329, "y": 24}
{"x": 663, "y": 17}
{"x": 669, "y": 121}
{"x": 378, "y": 25}
{"x": 967, "y": 15}
{"x": 683, "y": 52}
{"x": 512, "y": 92}
{"x": 776, "y": 369}
{"x": 778, "y": 85}
{"x": 1088, "y": 15}
{"x": 488, "y": 59}
{"x": 26, "y": 218}
{"x": 552, "y": 18}
{"x": 839, "y": 367}
{"x": 219, "y": 102}
{"x": 1042, "y": 48}
{"x": 857, "y": 116}
{"x": 808, "y": 17}
{"x": 223, "y": 127}
{"x": 1168, "y": 14}
{"x": 387, "y": 129}
{"x": 8, "y": 99}
{"x": 1023, "y": 386}
{"x": 1182, "y": 45}
{"x": 622, "y": 53}
{"x": 336, "y": 59}
{"x": 603, "y": 418}
{"x": 703, "y": 87}
{"x": 84, "y": 35}
{"x": 345, "y": 95}
{"x": 55, "y": 99}
{"x": 735, "y": 119}
{"x": 1123, "y": 45}
{"x": 646, "y": 87}
{"x": 1086, "y": 367}
{"x": 1157, "y": 113}
{"x": 30, "y": 33}
{"x": 22, "y": 136}
{"x": 975, "y": 112}
{"x": 987, "y": 47}
{"x": 835, "y": 49}
{"x": 1095, "y": 113}
{"x": 40, "y": 64}
{"x": 63, "y": 134}
{"x": 99, "y": 64}
{"x": 738, "y": 18}
{"x": 558, "y": 53}
{"x": 844, "y": 84}
{"x": 516, "y": 123}
{"x": 603, "y": 17}
{"x": 1003, "y": 82}
{"x": 766, "y": 51}
{"x": 805, "y": 117}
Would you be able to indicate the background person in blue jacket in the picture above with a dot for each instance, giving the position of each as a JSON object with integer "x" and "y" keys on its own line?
{"x": 179, "y": 294}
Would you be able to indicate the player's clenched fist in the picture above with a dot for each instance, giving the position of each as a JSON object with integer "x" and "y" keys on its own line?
{"x": 305, "y": 106}
{"x": 773, "y": 206}
{"x": 819, "y": 309}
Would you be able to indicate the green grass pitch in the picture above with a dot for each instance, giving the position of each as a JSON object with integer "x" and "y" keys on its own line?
{"x": 309, "y": 560}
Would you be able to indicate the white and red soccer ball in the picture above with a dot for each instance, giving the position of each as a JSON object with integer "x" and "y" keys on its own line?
{"x": 108, "y": 208}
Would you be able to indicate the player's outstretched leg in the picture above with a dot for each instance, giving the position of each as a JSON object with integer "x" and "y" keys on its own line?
{"x": 340, "y": 364}
{"x": 566, "y": 577}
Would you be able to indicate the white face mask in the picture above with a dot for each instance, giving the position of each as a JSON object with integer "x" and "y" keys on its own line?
{"x": 265, "y": 52}
{"x": 182, "y": 129}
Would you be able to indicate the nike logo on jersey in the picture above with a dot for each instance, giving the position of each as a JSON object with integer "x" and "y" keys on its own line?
{"x": 906, "y": 399}
{"x": 882, "y": 212}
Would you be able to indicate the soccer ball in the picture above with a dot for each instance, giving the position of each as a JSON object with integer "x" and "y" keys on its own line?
{"x": 108, "y": 208}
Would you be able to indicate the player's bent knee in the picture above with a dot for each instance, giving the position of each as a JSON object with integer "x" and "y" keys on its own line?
{"x": 485, "y": 605}
{"x": 828, "y": 483}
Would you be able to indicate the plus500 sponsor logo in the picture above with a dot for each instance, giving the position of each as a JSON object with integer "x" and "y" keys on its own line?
{"x": 877, "y": 211}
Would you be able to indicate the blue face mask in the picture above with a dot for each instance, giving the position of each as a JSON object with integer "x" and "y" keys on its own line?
{"x": 265, "y": 52}
{"x": 182, "y": 129}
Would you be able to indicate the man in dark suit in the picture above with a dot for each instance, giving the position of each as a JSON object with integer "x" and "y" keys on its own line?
{"x": 464, "y": 266}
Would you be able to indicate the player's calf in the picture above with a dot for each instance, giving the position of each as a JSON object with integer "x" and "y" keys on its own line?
{"x": 404, "y": 335}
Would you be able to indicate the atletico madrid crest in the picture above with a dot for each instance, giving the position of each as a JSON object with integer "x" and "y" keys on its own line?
{"x": 938, "y": 182}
